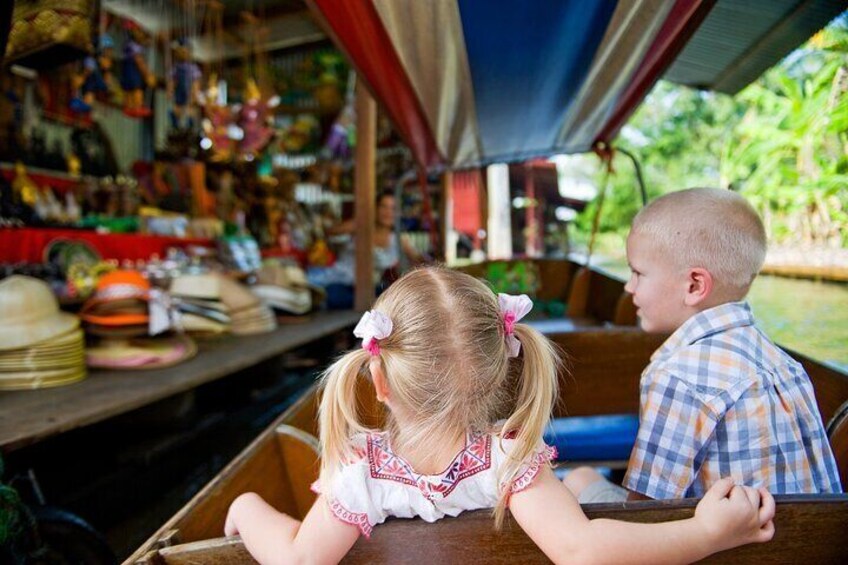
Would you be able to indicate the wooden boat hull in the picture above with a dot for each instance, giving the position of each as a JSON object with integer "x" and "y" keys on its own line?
{"x": 605, "y": 364}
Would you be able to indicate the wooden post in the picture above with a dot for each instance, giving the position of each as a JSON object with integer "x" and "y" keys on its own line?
{"x": 531, "y": 231}
{"x": 448, "y": 251}
{"x": 365, "y": 178}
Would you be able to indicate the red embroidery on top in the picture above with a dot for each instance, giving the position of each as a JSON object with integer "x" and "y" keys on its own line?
{"x": 474, "y": 458}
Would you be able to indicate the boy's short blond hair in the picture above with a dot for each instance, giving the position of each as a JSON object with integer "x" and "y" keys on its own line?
{"x": 714, "y": 229}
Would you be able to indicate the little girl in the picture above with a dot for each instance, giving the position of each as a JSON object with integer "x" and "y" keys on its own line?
{"x": 449, "y": 361}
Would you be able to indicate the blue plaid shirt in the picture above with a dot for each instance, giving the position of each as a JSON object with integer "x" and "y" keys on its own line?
{"x": 719, "y": 399}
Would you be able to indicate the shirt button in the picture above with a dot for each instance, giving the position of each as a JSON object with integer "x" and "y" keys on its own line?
{"x": 434, "y": 496}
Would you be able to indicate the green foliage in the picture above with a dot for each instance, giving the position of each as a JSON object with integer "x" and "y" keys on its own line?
{"x": 782, "y": 142}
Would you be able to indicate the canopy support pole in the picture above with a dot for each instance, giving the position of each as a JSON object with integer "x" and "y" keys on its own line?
{"x": 364, "y": 188}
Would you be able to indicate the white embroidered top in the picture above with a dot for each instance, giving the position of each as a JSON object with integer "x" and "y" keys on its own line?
{"x": 378, "y": 483}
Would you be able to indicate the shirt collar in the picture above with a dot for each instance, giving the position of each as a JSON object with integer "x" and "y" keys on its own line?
{"x": 704, "y": 324}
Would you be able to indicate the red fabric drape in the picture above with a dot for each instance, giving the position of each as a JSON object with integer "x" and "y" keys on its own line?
{"x": 28, "y": 244}
{"x": 467, "y": 201}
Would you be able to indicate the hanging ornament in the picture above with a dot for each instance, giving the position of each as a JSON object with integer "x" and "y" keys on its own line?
{"x": 136, "y": 77}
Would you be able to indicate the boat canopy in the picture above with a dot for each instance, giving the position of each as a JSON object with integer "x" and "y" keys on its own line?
{"x": 471, "y": 82}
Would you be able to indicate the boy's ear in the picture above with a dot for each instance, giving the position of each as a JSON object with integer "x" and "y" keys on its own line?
{"x": 378, "y": 377}
{"x": 699, "y": 286}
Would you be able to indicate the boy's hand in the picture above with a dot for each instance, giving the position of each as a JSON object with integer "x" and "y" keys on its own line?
{"x": 735, "y": 515}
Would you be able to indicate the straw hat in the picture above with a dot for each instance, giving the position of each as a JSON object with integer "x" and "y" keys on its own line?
{"x": 293, "y": 300}
{"x": 215, "y": 287}
{"x": 41, "y": 379}
{"x": 282, "y": 275}
{"x": 293, "y": 278}
{"x": 29, "y": 313}
{"x": 62, "y": 352}
{"x": 141, "y": 353}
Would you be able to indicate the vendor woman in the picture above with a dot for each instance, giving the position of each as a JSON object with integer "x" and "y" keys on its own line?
{"x": 387, "y": 249}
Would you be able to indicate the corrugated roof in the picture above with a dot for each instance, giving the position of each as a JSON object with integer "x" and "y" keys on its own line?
{"x": 740, "y": 39}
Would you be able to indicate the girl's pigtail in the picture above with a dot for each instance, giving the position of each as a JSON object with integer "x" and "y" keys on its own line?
{"x": 337, "y": 414}
{"x": 536, "y": 396}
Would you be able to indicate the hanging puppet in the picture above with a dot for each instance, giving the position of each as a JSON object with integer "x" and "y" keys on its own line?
{"x": 87, "y": 84}
{"x": 106, "y": 64}
{"x": 218, "y": 124}
{"x": 184, "y": 87}
{"x": 135, "y": 75}
{"x": 95, "y": 79}
{"x": 253, "y": 120}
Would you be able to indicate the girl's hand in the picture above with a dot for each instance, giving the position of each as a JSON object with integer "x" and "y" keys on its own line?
{"x": 733, "y": 515}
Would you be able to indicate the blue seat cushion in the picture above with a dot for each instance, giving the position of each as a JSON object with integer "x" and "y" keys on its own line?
{"x": 593, "y": 438}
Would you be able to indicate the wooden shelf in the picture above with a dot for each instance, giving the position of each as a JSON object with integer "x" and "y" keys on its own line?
{"x": 27, "y": 417}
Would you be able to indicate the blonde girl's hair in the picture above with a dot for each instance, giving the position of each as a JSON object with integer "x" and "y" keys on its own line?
{"x": 709, "y": 228}
{"x": 447, "y": 367}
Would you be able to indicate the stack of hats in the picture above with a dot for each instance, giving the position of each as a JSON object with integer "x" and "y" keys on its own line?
{"x": 198, "y": 299}
{"x": 205, "y": 300}
{"x": 284, "y": 287}
{"x": 39, "y": 345}
{"x": 121, "y": 315}
{"x": 119, "y": 306}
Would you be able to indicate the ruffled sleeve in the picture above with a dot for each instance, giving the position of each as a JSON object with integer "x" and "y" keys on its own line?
{"x": 350, "y": 498}
{"x": 541, "y": 456}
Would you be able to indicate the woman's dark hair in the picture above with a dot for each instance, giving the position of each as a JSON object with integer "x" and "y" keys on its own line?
{"x": 386, "y": 193}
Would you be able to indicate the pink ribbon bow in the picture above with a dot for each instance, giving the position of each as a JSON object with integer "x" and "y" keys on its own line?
{"x": 372, "y": 327}
{"x": 513, "y": 308}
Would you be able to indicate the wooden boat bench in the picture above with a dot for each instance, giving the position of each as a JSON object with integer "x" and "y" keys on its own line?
{"x": 812, "y": 527}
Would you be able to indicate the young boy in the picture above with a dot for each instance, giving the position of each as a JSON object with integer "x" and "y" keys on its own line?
{"x": 718, "y": 398}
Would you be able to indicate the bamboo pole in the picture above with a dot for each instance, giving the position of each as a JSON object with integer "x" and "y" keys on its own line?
{"x": 365, "y": 178}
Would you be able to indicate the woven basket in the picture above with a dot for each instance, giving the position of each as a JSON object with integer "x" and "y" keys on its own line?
{"x": 49, "y": 33}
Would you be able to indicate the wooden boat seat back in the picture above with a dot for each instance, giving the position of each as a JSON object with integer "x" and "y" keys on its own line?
{"x": 597, "y": 296}
{"x": 602, "y": 370}
{"x": 837, "y": 433}
{"x": 300, "y": 454}
{"x": 830, "y": 384}
{"x": 625, "y": 311}
{"x": 810, "y": 526}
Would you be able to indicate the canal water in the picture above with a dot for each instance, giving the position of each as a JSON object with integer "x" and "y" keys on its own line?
{"x": 810, "y": 317}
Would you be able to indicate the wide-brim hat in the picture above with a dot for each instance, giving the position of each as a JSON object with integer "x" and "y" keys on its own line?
{"x": 29, "y": 313}
{"x": 215, "y": 287}
{"x": 288, "y": 276}
{"x": 208, "y": 309}
{"x": 63, "y": 352}
{"x": 141, "y": 353}
{"x": 28, "y": 380}
{"x": 292, "y": 300}
{"x": 259, "y": 319}
{"x": 196, "y": 324}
